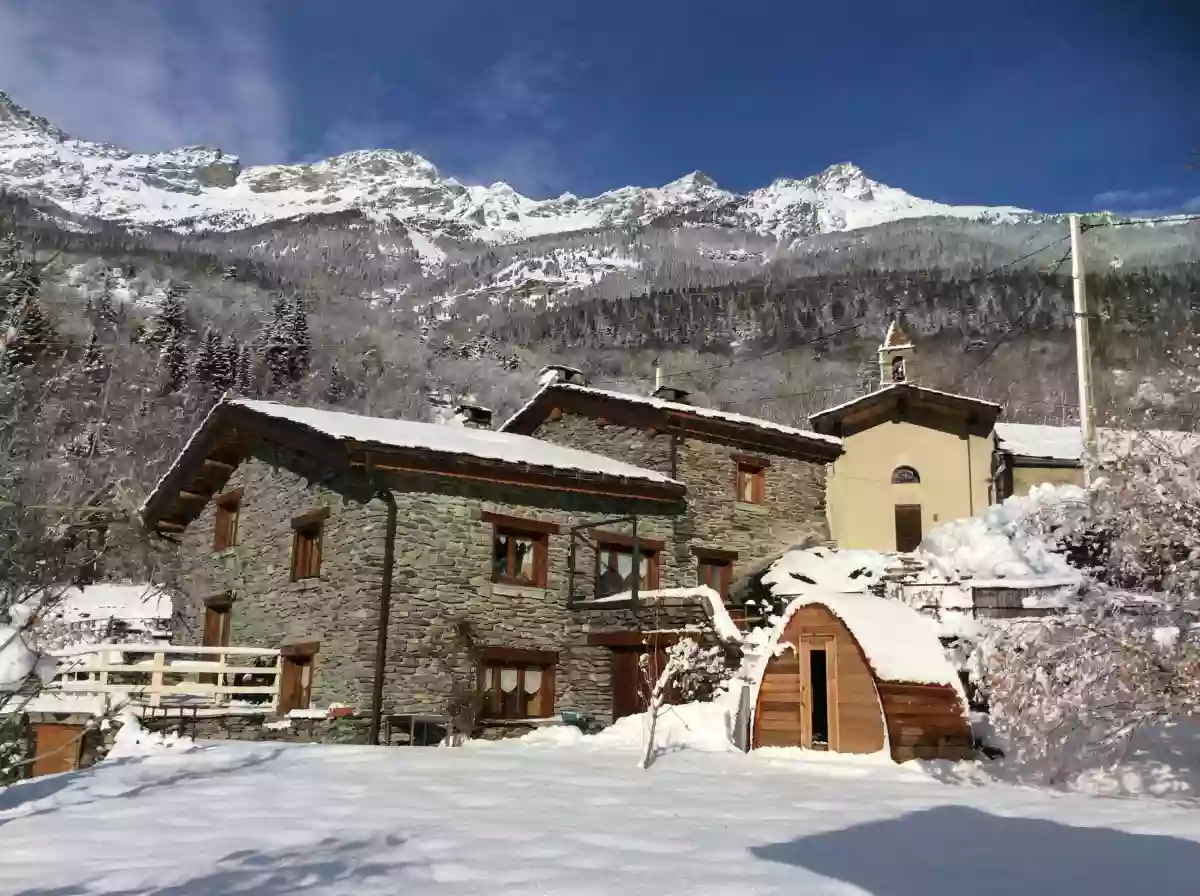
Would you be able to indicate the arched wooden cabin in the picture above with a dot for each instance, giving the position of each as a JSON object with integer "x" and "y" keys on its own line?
{"x": 861, "y": 672}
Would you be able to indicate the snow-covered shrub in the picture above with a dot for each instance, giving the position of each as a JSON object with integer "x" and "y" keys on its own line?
{"x": 1075, "y": 685}
{"x": 14, "y": 748}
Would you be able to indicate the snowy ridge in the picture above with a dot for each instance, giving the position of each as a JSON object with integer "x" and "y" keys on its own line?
{"x": 204, "y": 188}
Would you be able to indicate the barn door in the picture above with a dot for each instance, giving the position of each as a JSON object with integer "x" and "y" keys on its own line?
{"x": 818, "y": 694}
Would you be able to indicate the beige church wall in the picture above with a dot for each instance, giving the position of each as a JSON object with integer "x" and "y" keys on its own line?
{"x": 1025, "y": 478}
{"x": 861, "y": 496}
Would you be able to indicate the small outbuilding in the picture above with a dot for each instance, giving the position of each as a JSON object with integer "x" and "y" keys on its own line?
{"x": 855, "y": 673}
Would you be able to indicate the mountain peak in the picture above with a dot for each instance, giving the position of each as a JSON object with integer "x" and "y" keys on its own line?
{"x": 20, "y": 117}
{"x": 695, "y": 179}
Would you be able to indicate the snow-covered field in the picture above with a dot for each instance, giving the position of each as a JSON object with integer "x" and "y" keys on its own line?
{"x": 581, "y": 818}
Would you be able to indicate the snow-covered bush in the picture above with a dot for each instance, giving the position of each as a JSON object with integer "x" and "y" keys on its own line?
{"x": 1076, "y": 684}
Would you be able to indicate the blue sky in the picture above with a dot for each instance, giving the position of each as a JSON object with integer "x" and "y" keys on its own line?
{"x": 1052, "y": 105}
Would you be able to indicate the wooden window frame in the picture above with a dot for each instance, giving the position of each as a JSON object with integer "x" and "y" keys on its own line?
{"x": 724, "y": 564}
{"x": 615, "y": 543}
{"x": 493, "y": 660}
{"x": 308, "y": 535}
{"x": 532, "y": 530}
{"x": 225, "y": 522}
{"x": 756, "y": 473}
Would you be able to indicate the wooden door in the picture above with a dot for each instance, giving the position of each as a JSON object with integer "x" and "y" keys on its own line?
{"x": 56, "y": 748}
{"x": 908, "y": 527}
{"x": 811, "y": 652}
{"x": 633, "y": 684}
{"x": 216, "y": 626}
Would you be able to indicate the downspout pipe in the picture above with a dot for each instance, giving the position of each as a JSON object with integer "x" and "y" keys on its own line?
{"x": 385, "y": 610}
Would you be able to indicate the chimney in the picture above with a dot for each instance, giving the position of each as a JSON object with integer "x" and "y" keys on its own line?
{"x": 561, "y": 373}
{"x": 474, "y": 416}
{"x": 667, "y": 393}
{"x": 671, "y": 393}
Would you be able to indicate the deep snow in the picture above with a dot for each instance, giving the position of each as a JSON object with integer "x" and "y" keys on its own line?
{"x": 579, "y": 818}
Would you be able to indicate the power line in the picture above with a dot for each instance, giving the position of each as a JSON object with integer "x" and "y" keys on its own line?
{"x": 955, "y": 284}
{"x": 1170, "y": 219}
{"x": 1018, "y": 327}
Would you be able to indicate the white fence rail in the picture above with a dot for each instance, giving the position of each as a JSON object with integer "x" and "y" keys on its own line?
{"x": 160, "y": 675}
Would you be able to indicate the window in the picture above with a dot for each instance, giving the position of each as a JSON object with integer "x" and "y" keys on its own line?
{"x": 519, "y": 558}
{"x": 517, "y": 684}
{"x": 898, "y": 371}
{"x": 519, "y": 549}
{"x": 716, "y": 573}
{"x": 614, "y": 566}
{"x": 751, "y": 481}
{"x": 307, "y": 530}
{"x": 905, "y": 476}
{"x": 226, "y": 524}
{"x": 217, "y": 616}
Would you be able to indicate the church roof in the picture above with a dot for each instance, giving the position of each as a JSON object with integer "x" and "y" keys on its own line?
{"x": 910, "y": 399}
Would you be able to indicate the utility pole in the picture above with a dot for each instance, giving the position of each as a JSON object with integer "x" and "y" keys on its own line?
{"x": 1083, "y": 354}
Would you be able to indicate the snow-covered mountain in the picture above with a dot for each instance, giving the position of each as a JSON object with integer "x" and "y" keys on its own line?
{"x": 202, "y": 188}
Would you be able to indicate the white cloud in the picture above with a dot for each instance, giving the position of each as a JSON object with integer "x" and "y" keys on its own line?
{"x": 124, "y": 72}
{"x": 512, "y": 128}
{"x": 1138, "y": 198}
{"x": 1191, "y": 205}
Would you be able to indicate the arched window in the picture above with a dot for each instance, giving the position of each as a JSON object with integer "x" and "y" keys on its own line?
{"x": 899, "y": 375}
{"x": 905, "y": 476}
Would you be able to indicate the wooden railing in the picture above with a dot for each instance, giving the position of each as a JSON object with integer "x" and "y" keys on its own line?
{"x": 160, "y": 675}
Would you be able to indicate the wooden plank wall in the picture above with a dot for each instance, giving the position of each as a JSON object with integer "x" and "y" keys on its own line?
{"x": 926, "y": 722}
{"x": 856, "y": 726}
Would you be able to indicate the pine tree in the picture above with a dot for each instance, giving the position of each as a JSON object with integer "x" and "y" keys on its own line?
{"x": 339, "y": 385}
{"x": 104, "y": 309}
{"x": 277, "y": 346}
{"x": 223, "y": 367}
{"x": 173, "y": 360}
{"x": 28, "y": 334}
{"x": 243, "y": 377}
{"x": 172, "y": 317}
{"x": 95, "y": 365}
{"x": 208, "y": 357}
{"x": 301, "y": 347}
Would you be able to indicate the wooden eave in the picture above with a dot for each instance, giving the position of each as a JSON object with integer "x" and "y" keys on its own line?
{"x": 232, "y": 433}
{"x": 923, "y": 407}
{"x": 639, "y": 415}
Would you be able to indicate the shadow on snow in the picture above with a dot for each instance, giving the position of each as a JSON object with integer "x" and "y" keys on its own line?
{"x": 951, "y": 850}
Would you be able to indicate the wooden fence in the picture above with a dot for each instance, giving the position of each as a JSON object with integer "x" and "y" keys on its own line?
{"x": 161, "y": 675}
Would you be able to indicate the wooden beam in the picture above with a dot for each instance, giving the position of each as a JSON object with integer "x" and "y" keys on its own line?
{"x": 220, "y": 465}
{"x": 193, "y": 496}
{"x": 519, "y": 523}
{"x": 167, "y": 526}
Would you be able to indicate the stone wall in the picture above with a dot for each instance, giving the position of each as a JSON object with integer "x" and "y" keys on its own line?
{"x": 792, "y": 513}
{"x": 441, "y": 584}
{"x": 269, "y": 609}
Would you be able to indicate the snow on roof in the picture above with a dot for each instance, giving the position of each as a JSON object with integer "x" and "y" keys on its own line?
{"x": 1065, "y": 443}
{"x": 482, "y": 443}
{"x": 1007, "y": 540}
{"x": 1032, "y": 440}
{"x": 825, "y": 571}
{"x": 900, "y": 644}
{"x": 722, "y": 622}
{"x": 129, "y": 603}
{"x": 678, "y": 407}
{"x": 896, "y": 386}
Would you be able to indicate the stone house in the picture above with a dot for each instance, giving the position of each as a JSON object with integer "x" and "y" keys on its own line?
{"x": 754, "y": 488}
{"x": 417, "y": 568}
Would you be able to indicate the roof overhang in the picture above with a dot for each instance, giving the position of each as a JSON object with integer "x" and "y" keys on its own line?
{"x": 634, "y": 412}
{"x": 909, "y": 403}
{"x": 231, "y": 433}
